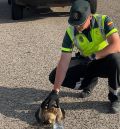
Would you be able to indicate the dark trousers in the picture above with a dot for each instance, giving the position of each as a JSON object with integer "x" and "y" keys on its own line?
{"x": 84, "y": 75}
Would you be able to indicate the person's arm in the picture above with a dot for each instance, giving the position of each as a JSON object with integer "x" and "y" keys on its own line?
{"x": 53, "y": 97}
{"x": 113, "y": 46}
{"x": 112, "y": 37}
{"x": 61, "y": 70}
{"x": 60, "y": 75}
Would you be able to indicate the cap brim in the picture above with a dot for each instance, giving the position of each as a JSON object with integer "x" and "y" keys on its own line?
{"x": 74, "y": 22}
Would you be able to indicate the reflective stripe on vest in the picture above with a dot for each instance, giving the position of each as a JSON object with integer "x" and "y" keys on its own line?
{"x": 100, "y": 20}
{"x": 72, "y": 36}
{"x": 97, "y": 34}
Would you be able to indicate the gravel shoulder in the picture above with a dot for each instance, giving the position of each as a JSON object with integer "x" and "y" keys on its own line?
{"x": 29, "y": 50}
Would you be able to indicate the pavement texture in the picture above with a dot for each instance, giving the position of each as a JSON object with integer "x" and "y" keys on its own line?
{"x": 29, "y": 50}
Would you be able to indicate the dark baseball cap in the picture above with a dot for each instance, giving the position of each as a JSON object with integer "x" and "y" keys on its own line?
{"x": 79, "y": 12}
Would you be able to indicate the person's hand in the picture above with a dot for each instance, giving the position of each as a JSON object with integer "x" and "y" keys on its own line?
{"x": 92, "y": 57}
{"x": 51, "y": 100}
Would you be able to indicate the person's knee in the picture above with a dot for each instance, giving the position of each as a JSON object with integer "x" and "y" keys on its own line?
{"x": 52, "y": 76}
{"x": 114, "y": 59}
{"x": 114, "y": 56}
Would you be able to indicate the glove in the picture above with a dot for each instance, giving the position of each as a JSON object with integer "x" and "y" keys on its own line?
{"x": 51, "y": 100}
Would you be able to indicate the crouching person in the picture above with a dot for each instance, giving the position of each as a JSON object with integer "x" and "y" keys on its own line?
{"x": 98, "y": 43}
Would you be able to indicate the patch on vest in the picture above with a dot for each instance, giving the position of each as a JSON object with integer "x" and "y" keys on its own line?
{"x": 97, "y": 32}
{"x": 110, "y": 23}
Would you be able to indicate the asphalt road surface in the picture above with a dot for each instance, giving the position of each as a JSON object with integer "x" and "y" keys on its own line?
{"x": 29, "y": 50}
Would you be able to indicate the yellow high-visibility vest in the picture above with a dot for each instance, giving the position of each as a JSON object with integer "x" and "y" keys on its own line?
{"x": 99, "y": 42}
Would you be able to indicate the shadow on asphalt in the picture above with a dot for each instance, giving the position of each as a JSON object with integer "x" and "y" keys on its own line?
{"x": 29, "y": 14}
{"x": 21, "y": 103}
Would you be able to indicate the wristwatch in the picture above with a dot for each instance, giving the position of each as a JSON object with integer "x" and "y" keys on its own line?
{"x": 93, "y": 56}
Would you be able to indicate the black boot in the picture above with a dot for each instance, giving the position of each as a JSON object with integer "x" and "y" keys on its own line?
{"x": 115, "y": 106}
{"x": 88, "y": 90}
{"x": 85, "y": 93}
{"x": 115, "y": 102}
